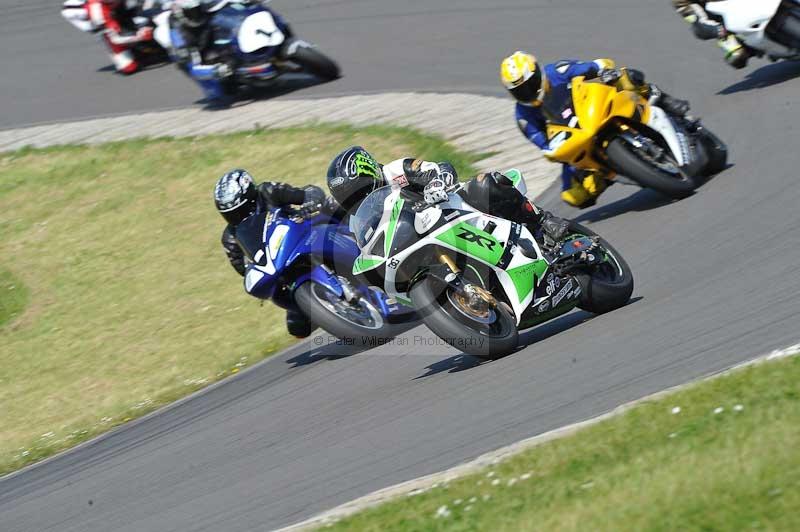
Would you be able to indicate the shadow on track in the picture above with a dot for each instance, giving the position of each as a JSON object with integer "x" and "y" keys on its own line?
{"x": 765, "y": 76}
{"x": 285, "y": 84}
{"x": 640, "y": 201}
{"x": 455, "y": 364}
{"x": 319, "y": 354}
{"x": 464, "y": 362}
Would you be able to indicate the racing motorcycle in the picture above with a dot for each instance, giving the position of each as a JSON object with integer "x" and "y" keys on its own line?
{"x": 150, "y": 13}
{"x": 614, "y": 128}
{"x": 258, "y": 45}
{"x": 477, "y": 280}
{"x": 305, "y": 263}
{"x": 767, "y": 27}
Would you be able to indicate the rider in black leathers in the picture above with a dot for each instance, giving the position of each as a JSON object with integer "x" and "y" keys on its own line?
{"x": 236, "y": 197}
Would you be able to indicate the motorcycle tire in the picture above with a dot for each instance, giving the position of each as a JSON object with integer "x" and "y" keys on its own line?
{"x": 624, "y": 159}
{"x": 340, "y": 319}
{"x": 445, "y": 321}
{"x": 315, "y": 62}
{"x": 716, "y": 150}
{"x": 604, "y": 290}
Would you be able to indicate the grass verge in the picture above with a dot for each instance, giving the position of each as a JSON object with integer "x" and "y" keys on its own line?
{"x": 13, "y": 297}
{"x": 720, "y": 455}
{"x": 130, "y": 302}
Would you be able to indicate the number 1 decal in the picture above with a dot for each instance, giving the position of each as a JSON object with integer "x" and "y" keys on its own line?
{"x": 259, "y": 31}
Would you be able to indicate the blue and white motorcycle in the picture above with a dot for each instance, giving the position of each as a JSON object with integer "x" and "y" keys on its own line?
{"x": 306, "y": 265}
{"x": 255, "y": 45}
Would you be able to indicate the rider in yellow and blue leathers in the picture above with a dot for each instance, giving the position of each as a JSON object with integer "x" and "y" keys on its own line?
{"x": 529, "y": 84}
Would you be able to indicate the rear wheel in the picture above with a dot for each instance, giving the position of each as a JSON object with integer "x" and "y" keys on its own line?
{"x": 659, "y": 172}
{"x": 488, "y": 332}
{"x": 716, "y": 150}
{"x": 315, "y": 62}
{"x": 609, "y": 285}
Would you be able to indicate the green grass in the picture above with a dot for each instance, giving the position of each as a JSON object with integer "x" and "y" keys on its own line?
{"x": 131, "y": 302}
{"x": 649, "y": 469}
{"x": 13, "y": 297}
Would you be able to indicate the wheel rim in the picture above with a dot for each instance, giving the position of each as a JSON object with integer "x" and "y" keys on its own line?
{"x": 656, "y": 156}
{"x": 361, "y": 314}
{"x": 487, "y": 322}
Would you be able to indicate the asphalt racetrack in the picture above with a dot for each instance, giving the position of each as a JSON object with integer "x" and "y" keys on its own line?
{"x": 717, "y": 276}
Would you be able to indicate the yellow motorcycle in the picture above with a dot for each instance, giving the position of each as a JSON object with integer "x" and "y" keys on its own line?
{"x": 613, "y": 128}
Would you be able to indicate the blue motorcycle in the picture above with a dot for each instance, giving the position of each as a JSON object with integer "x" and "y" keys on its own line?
{"x": 255, "y": 45}
{"x": 306, "y": 265}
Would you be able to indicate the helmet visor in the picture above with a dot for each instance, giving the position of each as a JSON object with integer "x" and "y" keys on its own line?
{"x": 529, "y": 90}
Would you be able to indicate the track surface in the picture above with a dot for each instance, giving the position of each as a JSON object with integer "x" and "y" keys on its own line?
{"x": 717, "y": 278}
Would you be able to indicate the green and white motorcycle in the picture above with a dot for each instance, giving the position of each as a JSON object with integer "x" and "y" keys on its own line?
{"x": 477, "y": 280}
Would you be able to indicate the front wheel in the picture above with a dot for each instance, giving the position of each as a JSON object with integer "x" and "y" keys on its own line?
{"x": 661, "y": 173}
{"x": 489, "y": 333}
{"x": 314, "y": 62}
{"x": 609, "y": 285}
{"x": 360, "y": 321}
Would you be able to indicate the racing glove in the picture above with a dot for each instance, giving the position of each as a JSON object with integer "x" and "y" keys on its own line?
{"x": 609, "y": 76}
{"x": 435, "y": 191}
{"x": 145, "y": 34}
{"x": 309, "y": 209}
{"x": 553, "y": 227}
{"x": 223, "y": 71}
{"x": 313, "y": 194}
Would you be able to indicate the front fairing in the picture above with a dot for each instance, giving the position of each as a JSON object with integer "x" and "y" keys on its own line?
{"x": 251, "y": 45}
{"x": 282, "y": 249}
{"x": 576, "y": 122}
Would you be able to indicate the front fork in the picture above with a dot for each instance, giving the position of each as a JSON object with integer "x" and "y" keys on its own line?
{"x": 469, "y": 294}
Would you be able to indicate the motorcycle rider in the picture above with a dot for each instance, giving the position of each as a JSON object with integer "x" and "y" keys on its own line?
{"x": 529, "y": 83}
{"x": 706, "y": 28}
{"x": 237, "y": 196}
{"x": 355, "y": 173}
{"x": 115, "y": 20}
{"x": 192, "y": 34}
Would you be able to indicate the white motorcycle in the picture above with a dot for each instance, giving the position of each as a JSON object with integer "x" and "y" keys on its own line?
{"x": 476, "y": 280}
{"x": 767, "y": 27}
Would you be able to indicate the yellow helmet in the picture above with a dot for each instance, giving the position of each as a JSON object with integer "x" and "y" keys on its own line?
{"x": 521, "y": 75}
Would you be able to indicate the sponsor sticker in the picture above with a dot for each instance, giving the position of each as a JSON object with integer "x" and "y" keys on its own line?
{"x": 401, "y": 181}
{"x": 563, "y": 293}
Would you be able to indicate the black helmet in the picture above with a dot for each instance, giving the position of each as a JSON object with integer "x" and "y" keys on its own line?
{"x": 352, "y": 175}
{"x": 192, "y": 13}
{"x": 235, "y": 196}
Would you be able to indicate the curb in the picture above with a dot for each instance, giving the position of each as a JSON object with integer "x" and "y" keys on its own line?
{"x": 480, "y": 124}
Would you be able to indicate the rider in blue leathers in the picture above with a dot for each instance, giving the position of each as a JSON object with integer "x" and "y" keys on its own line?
{"x": 529, "y": 84}
{"x": 193, "y": 41}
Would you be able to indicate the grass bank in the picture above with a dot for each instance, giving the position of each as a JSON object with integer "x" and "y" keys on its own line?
{"x": 721, "y": 455}
{"x": 130, "y": 300}
{"x": 13, "y": 297}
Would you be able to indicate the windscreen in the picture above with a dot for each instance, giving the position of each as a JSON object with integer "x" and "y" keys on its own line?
{"x": 250, "y": 234}
{"x": 364, "y": 222}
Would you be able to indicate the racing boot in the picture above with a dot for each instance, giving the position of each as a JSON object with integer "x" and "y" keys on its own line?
{"x": 736, "y": 55}
{"x": 585, "y": 189}
{"x": 298, "y": 324}
{"x": 673, "y": 106}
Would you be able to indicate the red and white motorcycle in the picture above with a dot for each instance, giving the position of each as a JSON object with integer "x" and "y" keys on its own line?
{"x": 150, "y": 13}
